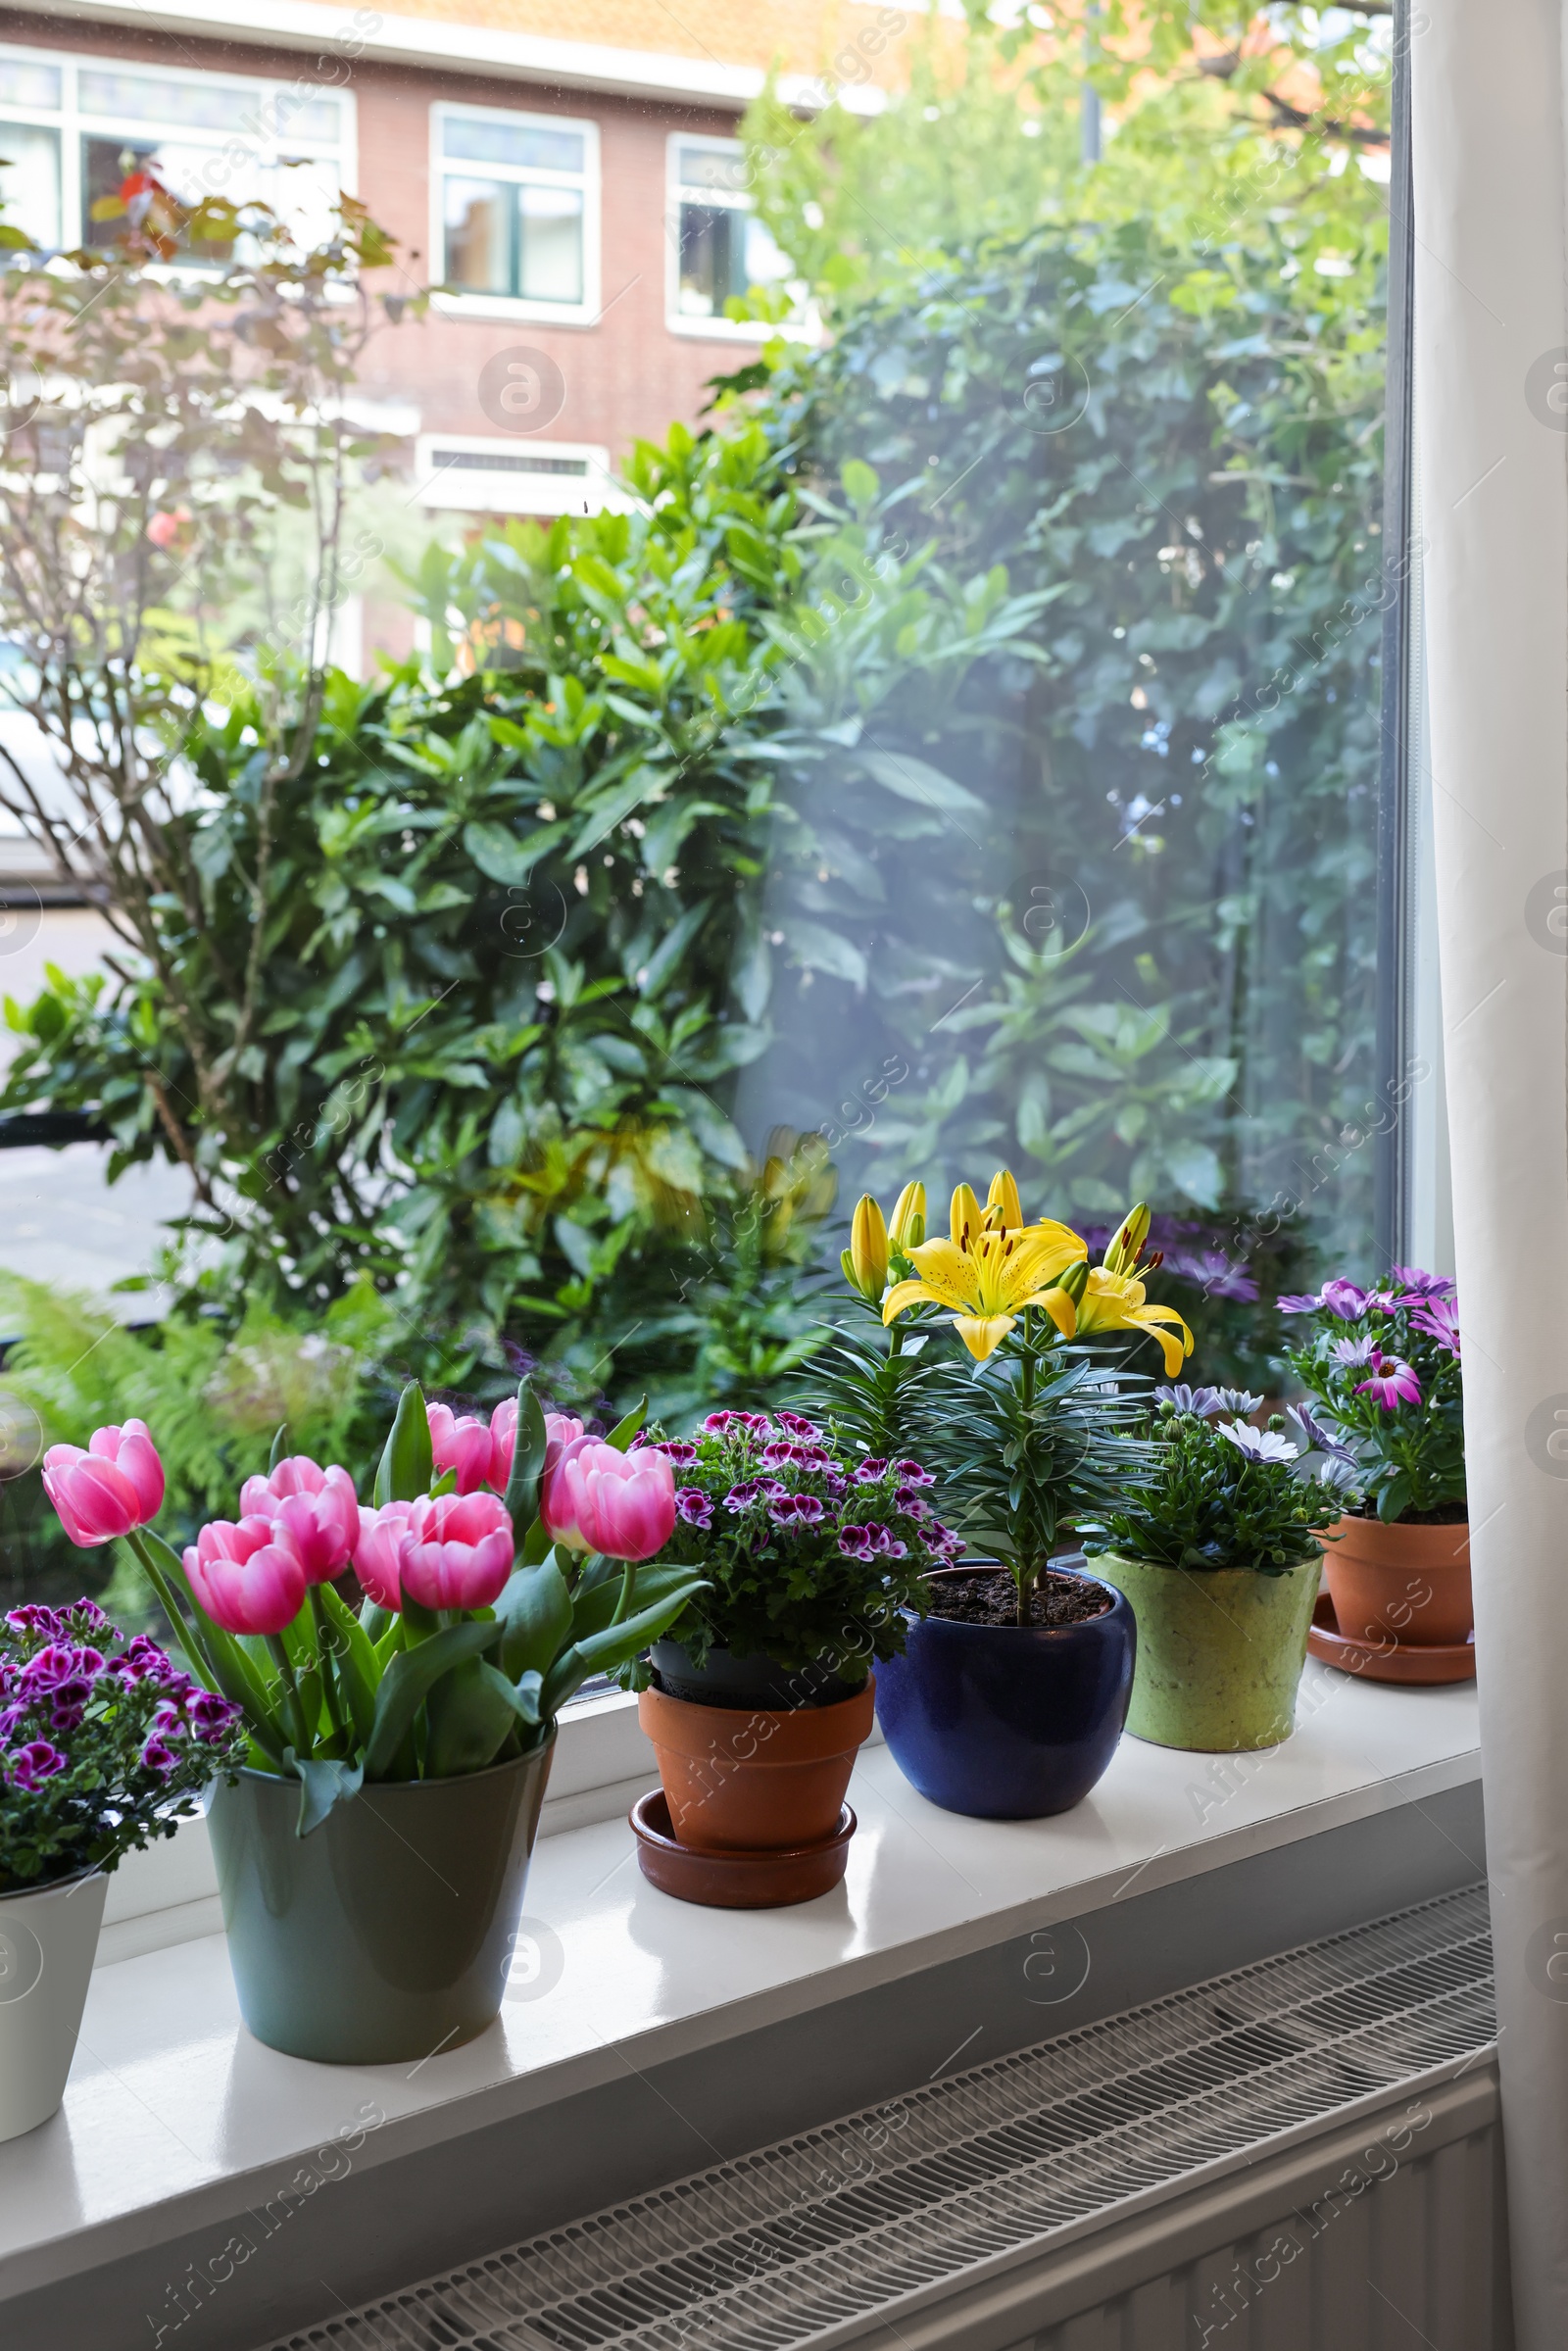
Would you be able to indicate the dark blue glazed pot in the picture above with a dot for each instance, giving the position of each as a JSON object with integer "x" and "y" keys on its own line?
{"x": 1009, "y": 1722}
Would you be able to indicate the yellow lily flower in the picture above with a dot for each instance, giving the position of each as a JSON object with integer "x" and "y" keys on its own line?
{"x": 865, "y": 1260}
{"x": 907, "y": 1225}
{"x": 1003, "y": 1209}
{"x": 989, "y": 1279}
{"x": 1116, "y": 1301}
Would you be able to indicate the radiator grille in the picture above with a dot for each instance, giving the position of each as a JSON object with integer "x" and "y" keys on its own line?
{"x": 786, "y": 2245}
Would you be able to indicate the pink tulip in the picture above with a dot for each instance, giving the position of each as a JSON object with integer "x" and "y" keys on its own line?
{"x": 378, "y": 1552}
{"x": 461, "y": 1445}
{"x": 599, "y": 1500}
{"x": 249, "y": 1578}
{"x": 316, "y": 1506}
{"x": 116, "y": 1485}
{"x": 456, "y": 1550}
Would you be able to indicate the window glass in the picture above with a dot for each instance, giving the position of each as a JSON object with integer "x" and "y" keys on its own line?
{"x": 724, "y": 248}
{"x": 473, "y": 138}
{"x": 25, "y": 82}
{"x": 168, "y": 99}
{"x": 520, "y": 230}
{"x": 30, "y": 180}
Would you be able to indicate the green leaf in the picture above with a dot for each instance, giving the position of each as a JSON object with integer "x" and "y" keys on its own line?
{"x": 507, "y": 857}
{"x": 279, "y": 1437}
{"x": 593, "y": 1605}
{"x": 535, "y": 1613}
{"x": 407, "y": 1462}
{"x": 359, "y": 1669}
{"x": 407, "y": 1682}
{"x": 910, "y": 778}
{"x": 527, "y": 1461}
{"x": 323, "y": 1784}
{"x": 470, "y": 1710}
{"x": 604, "y": 1652}
{"x": 622, "y": 1434}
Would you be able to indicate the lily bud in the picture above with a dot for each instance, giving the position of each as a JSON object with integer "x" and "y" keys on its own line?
{"x": 1127, "y": 1241}
{"x": 907, "y": 1228}
{"x": 966, "y": 1219}
{"x": 865, "y": 1260}
{"x": 1003, "y": 1209}
{"x": 1075, "y": 1281}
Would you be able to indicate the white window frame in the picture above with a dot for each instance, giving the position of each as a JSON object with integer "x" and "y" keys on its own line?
{"x": 500, "y": 486}
{"x": 801, "y": 329}
{"x": 460, "y": 305}
{"x": 73, "y": 123}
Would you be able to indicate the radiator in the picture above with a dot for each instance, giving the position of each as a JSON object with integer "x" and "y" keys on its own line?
{"x": 1301, "y": 2156}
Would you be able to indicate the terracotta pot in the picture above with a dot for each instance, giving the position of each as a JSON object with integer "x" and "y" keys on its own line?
{"x": 750, "y": 1779}
{"x": 1413, "y": 1582}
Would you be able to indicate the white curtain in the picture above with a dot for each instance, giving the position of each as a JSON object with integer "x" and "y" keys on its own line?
{"x": 1491, "y": 405}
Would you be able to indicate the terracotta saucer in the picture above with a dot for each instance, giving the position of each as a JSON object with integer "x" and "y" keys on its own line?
{"x": 1374, "y": 1664}
{"x": 735, "y": 1881}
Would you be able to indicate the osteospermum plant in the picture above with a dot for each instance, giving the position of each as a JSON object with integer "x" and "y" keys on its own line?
{"x": 810, "y": 1557}
{"x": 104, "y": 1744}
{"x": 1382, "y": 1366}
{"x": 1217, "y": 1491}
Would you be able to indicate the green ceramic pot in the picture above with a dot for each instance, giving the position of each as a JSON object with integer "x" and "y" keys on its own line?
{"x": 1220, "y": 1652}
{"x": 387, "y": 1933}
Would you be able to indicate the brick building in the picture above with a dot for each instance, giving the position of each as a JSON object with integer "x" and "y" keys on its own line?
{"x": 568, "y": 170}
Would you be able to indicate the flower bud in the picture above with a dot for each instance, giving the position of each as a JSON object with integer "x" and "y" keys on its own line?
{"x": 1003, "y": 1209}
{"x": 1126, "y": 1242}
{"x": 868, "y": 1250}
{"x": 965, "y": 1218}
{"x": 907, "y": 1230}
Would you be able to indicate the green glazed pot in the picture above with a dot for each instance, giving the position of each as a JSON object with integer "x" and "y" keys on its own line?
{"x": 1220, "y": 1652}
{"x": 387, "y": 1933}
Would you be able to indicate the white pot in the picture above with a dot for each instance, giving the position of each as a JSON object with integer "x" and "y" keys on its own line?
{"x": 48, "y": 1941}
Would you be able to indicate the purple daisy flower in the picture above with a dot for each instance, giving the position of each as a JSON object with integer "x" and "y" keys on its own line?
{"x": 1353, "y": 1351}
{"x": 1393, "y": 1383}
{"x": 1439, "y": 1320}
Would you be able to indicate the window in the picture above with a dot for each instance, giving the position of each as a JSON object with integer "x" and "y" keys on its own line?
{"x": 518, "y": 203}
{"x": 71, "y": 128}
{"x": 460, "y": 474}
{"x": 720, "y": 249}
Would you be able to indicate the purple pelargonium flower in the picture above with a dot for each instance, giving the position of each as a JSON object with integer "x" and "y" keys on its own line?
{"x": 46, "y": 1671}
{"x": 679, "y": 1452}
{"x": 35, "y": 1762}
{"x": 1258, "y": 1445}
{"x": 794, "y": 1510}
{"x": 855, "y": 1542}
{"x": 157, "y": 1757}
{"x": 797, "y": 1425}
{"x": 739, "y": 1498}
{"x": 870, "y": 1472}
{"x": 694, "y": 1507}
{"x": 880, "y": 1542}
{"x": 1438, "y": 1318}
{"x": 757, "y": 1422}
{"x": 914, "y": 1473}
{"x": 785, "y": 1453}
{"x": 211, "y": 1717}
{"x": 1393, "y": 1383}
{"x": 36, "y": 1618}
{"x": 909, "y": 1502}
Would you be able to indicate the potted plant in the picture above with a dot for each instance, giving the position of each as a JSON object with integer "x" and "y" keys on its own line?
{"x": 104, "y": 1746}
{"x": 374, "y": 1849}
{"x": 1010, "y": 1696}
{"x": 1215, "y": 1545}
{"x": 761, "y": 1694}
{"x": 1383, "y": 1366}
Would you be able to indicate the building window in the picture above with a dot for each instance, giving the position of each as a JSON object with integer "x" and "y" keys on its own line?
{"x": 516, "y": 194}
{"x": 71, "y": 128}
{"x": 721, "y": 250}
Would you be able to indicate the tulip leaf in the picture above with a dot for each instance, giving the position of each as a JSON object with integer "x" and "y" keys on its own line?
{"x": 604, "y": 1652}
{"x": 594, "y": 1605}
{"x": 470, "y": 1713}
{"x": 375, "y": 1620}
{"x": 358, "y": 1670}
{"x": 527, "y": 1462}
{"x": 407, "y": 1462}
{"x": 622, "y": 1434}
{"x": 409, "y": 1681}
{"x": 536, "y": 1545}
{"x": 323, "y": 1784}
{"x": 535, "y": 1612}
{"x": 279, "y": 1437}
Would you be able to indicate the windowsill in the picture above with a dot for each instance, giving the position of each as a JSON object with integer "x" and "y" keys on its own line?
{"x": 742, "y": 330}
{"x": 175, "y": 2118}
{"x": 517, "y": 307}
